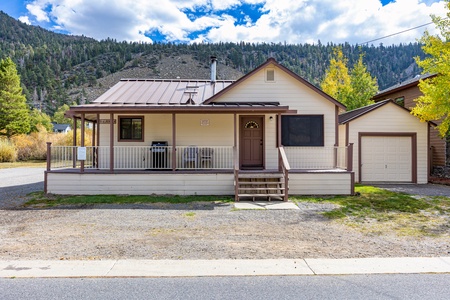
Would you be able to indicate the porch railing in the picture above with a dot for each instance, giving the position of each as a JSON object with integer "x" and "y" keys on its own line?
{"x": 316, "y": 158}
{"x": 190, "y": 157}
{"x": 144, "y": 157}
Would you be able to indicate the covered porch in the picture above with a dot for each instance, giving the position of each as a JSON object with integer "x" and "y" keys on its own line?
{"x": 175, "y": 158}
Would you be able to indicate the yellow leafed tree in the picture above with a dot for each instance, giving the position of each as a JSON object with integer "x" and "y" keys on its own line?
{"x": 435, "y": 102}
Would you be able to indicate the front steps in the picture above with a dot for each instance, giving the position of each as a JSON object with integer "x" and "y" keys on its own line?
{"x": 270, "y": 186}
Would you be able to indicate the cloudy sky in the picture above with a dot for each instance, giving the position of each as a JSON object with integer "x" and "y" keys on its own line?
{"x": 185, "y": 21}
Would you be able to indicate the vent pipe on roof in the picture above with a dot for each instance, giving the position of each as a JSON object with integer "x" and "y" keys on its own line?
{"x": 213, "y": 68}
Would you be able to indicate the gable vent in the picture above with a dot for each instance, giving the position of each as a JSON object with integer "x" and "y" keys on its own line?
{"x": 270, "y": 75}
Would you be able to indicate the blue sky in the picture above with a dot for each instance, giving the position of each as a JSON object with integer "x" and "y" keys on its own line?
{"x": 258, "y": 21}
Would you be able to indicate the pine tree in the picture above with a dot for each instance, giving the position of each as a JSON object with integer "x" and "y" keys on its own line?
{"x": 435, "y": 103}
{"x": 14, "y": 113}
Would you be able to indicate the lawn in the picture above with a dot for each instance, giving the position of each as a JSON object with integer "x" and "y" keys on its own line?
{"x": 39, "y": 199}
{"x": 377, "y": 211}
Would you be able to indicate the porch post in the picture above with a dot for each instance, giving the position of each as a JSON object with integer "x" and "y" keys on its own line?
{"x": 74, "y": 150}
{"x": 279, "y": 141}
{"x": 111, "y": 143}
{"x": 174, "y": 142}
{"x": 82, "y": 141}
{"x": 93, "y": 144}
{"x": 98, "y": 139}
{"x": 49, "y": 156}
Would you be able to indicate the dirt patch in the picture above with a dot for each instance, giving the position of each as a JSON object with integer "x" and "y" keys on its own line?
{"x": 196, "y": 231}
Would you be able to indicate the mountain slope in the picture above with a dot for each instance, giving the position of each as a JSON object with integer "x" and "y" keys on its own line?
{"x": 57, "y": 68}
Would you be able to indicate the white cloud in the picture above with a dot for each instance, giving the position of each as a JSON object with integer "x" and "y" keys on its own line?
{"x": 282, "y": 20}
{"x": 37, "y": 10}
{"x": 25, "y": 19}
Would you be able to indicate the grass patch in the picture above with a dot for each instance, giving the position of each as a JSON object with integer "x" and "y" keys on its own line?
{"x": 190, "y": 214}
{"x": 39, "y": 199}
{"x": 377, "y": 210}
{"x": 24, "y": 164}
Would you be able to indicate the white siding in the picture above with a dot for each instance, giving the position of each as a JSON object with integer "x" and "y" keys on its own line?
{"x": 338, "y": 183}
{"x": 391, "y": 118}
{"x": 140, "y": 184}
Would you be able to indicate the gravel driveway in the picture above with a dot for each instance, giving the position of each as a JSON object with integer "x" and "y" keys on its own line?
{"x": 187, "y": 231}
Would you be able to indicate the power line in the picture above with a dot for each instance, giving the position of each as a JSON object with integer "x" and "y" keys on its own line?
{"x": 395, "y": 33}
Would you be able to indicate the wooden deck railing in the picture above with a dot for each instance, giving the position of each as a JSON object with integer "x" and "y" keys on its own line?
{"x": 284, "y": 167}
{"x": 317, "y": 158}
{"x": 142, "y": 157}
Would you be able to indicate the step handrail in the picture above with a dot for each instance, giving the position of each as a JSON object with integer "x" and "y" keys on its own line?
{"x": 284, "y": 167}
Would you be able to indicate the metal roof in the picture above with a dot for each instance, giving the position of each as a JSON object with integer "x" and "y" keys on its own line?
{"x": 136, "y": 92}
{"x": 402, "y": 85}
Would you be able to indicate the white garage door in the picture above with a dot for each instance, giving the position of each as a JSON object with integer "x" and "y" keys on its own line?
{"x": 386, "y": 159}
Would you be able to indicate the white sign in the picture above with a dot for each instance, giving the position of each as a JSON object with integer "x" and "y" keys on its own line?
{"x": 81, "y": 153}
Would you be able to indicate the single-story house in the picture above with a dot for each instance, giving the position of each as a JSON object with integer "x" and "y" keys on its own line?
{"x": 405, "y": 94}
{"x": 269, "y": 134}
{"x": 390, "y": 144}
{"x": 61, "y": 128}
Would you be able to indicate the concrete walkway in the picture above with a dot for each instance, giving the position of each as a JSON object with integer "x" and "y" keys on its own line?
{"x": 196, "y": 268}
{"x": 265, "y": 205}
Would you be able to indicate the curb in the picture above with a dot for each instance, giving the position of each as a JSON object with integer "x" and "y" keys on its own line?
{"x": 237, "y": 267}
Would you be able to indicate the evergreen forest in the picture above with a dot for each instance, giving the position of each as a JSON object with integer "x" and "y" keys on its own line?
{"x": 55, "y": 69}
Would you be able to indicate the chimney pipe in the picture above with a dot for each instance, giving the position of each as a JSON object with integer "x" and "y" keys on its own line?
{"x": 213, "y": 68}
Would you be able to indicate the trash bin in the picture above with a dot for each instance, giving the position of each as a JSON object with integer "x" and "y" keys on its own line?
{"x": 159, "y": 154}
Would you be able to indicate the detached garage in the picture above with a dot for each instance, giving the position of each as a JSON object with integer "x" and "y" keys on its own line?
{"x": 390, "y": 145}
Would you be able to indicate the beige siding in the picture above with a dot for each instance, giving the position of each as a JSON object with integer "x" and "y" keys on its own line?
{"x": 320, "y": 183}
{"x": 390, "y": 118}
{"x": 219, "y": 132}
{"x": 289, "y": 92}
{"x": 342, "y": 132}
{"x": 439, "y": 146}
{"x": 140, "y": 184}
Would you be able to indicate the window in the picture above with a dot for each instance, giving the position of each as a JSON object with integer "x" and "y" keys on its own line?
{"x": 131, "y": 129}
{"x": 400, "y": 101}
{"x": 302, "y": 130}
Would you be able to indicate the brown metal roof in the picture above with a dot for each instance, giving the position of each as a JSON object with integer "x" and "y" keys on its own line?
{"x": 135, "y": 92}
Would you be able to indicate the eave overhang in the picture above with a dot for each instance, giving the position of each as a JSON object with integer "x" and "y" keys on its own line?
{"x": 90, "y": 111}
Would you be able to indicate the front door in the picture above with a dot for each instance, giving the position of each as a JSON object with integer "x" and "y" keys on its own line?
{"x": 252, "y": 142}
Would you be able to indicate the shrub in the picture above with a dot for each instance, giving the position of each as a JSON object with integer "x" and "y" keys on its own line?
{"x": 7, "y": 151}
{"x": 32, "y": 146}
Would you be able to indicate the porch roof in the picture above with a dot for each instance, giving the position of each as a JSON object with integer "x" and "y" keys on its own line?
{"x": 91, "y": 110}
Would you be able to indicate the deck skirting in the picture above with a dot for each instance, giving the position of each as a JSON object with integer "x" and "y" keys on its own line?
{"x": 186, "y": 183}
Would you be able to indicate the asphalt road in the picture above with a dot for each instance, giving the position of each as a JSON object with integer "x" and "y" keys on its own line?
{"x": 412, "y": 286}
{"x": 16, "y": 183}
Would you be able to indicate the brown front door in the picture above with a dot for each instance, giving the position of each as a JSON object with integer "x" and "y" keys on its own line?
{"x": 252, "y": 142}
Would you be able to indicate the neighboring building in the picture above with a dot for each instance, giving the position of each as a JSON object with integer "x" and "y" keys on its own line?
{"x": 404, "y": 95}
{"x": 61, "y": 128}
{"x": 390, "y": 144}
